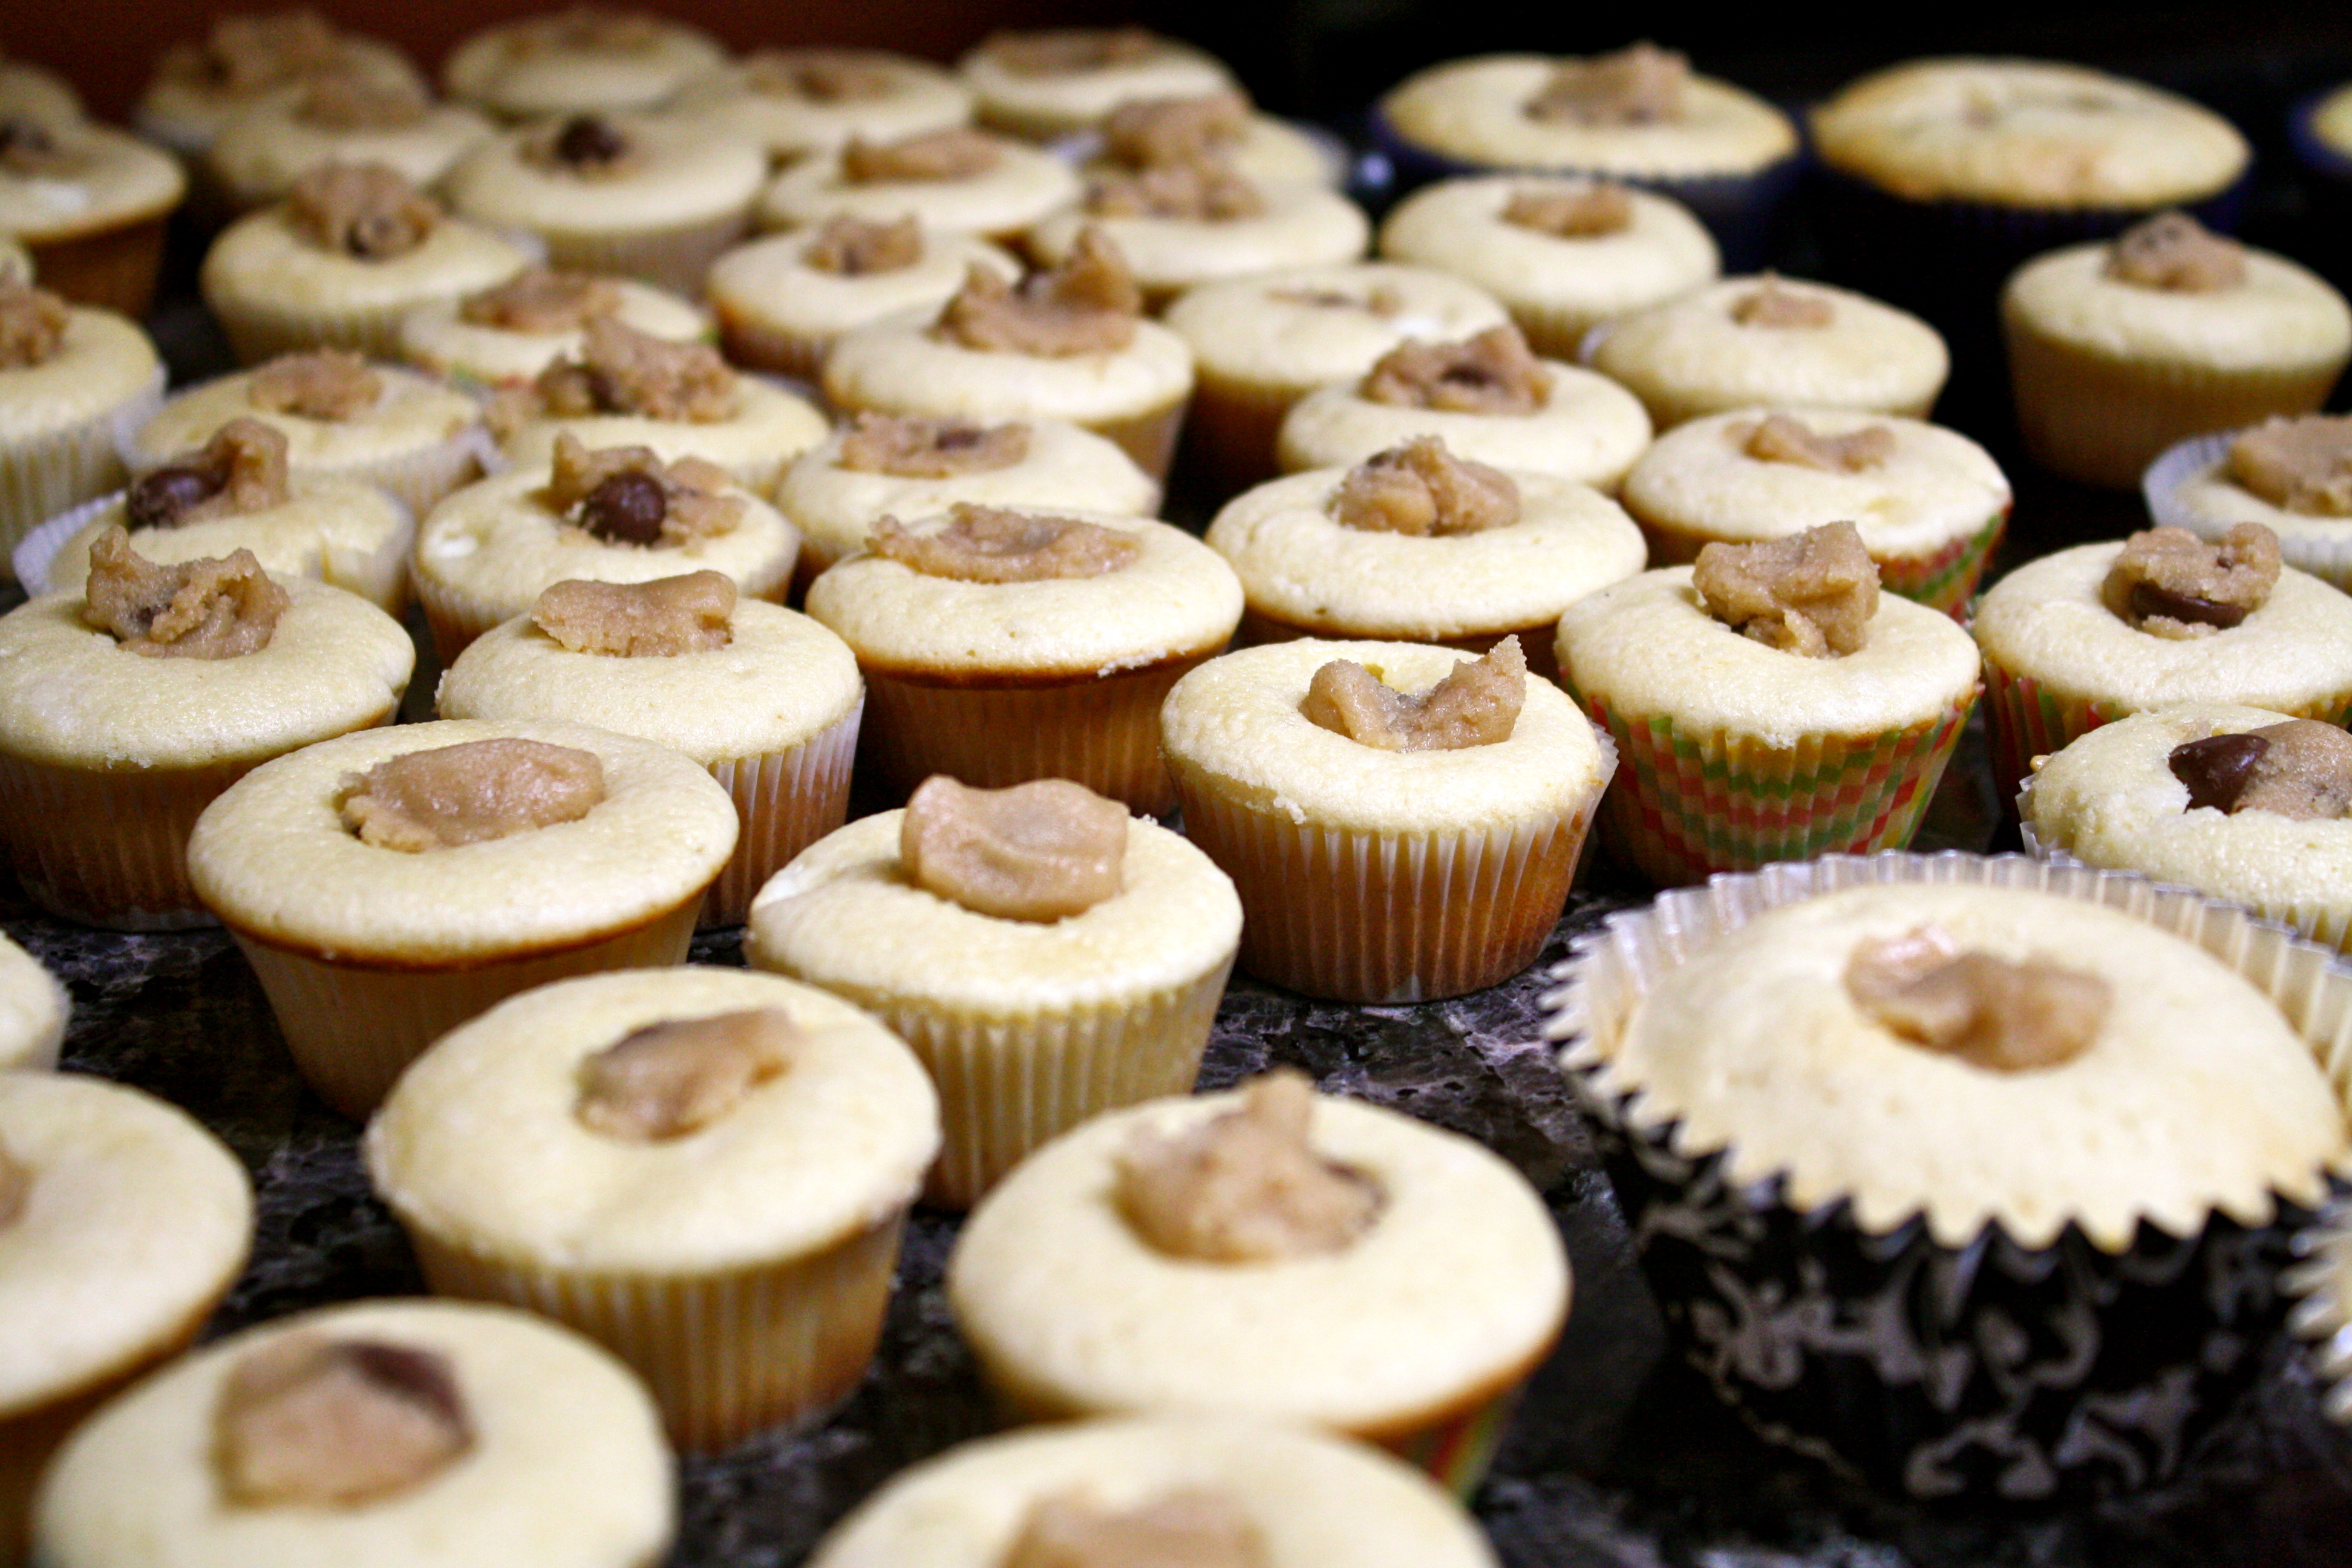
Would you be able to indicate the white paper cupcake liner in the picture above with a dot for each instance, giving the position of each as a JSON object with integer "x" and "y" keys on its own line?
{"x": 785, "y": 802}
{"x": 107, "y": 848}
{"x": 677, "y": 257}
{"x": 46, "y": 474}
{"x": 2327, "y": 555}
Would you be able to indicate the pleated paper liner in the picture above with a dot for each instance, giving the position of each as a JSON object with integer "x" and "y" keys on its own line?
{"x": 1687, "y": 807}
{"x": 1944, "y": 579}
{"x": 785, "y": 802}
{"x": 43, "y": 476}
{"x": 1994, "y": 1368}
{"x": 677, "y": 257}
{"x": 2325, "y": 550}
{"x": 2320, "y": 1280}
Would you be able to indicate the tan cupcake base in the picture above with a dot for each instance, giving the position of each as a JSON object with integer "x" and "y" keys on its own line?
{"x": 785, "y": 801}
{"x": 258, "y": 329}
{"x": 114, "y": 269}
{"x": 1539, "y": 642}
{"x": 676, "y": 258}
{"x": 108, "y": 849}
{"x": 351, "y": 1027}
{"x": 1149, "y": 438}
{"x": 1232, "y": 432}
{"x": 755, "y": 345}
{"x": 724, "y": 1355}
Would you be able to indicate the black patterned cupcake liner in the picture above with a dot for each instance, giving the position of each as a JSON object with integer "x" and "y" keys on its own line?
{"x": 1988, "y": 1369}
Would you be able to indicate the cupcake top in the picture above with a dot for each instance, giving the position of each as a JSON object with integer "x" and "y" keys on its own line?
{"x": 279, "y": 857}
{"x": 1909, "y": 487}
{"x": 584, "y": 61}
{"x": 2331, "y": 120}
{"x": 2114, "y": 1073}
{"x": 511, "y": 332}
{"x": 1640, "y": 113}
{"x": 61, "y": 365}
{"x": 1241, "y": 718}
{"x": 518, "y": 1136}
{"x": 599, "y": 173}
{"x": 797, "y": 102}
{"x": 997, "y": 591}
{"x": 1444, "y": 1282}
{"x": 1410, "y": 545}
{"x": 337, "y": 412}
{"x": 1746, "y": 341}
{"x": 1203, "y": 219}
{"x": 957, "y": 181}
{"x": 250, "y": 59}
{"x": 510, "y": 1440}
{"x": 1300, "y": 1499}
{"x": 846, "y": 273}
{"x": 29, "y": 91}
{"x": 682, "y": 660}
{"x": 260, "y": 153}
{"x": 1150, "y": 132}
{"x": 2290, "y": 648}
{"x": 2033, "y": 133}
{"x": 60, "y": 181}
{"x": 34, "y": 1008}
{"x": 126, "y": 1222}
{"x": 2291, "y": 476}
{"x": 1306, "y": 326}
{"x": 1046, "y": 81}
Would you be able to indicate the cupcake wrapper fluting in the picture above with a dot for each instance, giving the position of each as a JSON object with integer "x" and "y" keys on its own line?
{"x": 48, "y": 474}
{"x": 676, "y": 258}
{"x": 2323, "y": 1312}
{"x": 785, "y": 801}
{"x": 107, "y": 848}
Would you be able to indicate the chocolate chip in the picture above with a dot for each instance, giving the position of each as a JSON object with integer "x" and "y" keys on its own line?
{"x": 586, "y": 140}
{"x": 625, "y": 509}
{"x": 2217, "y": 768}
{"x": 421, "y": 1377}
{"x": 159, "y": 498}
{"x": 2148, "y": 601}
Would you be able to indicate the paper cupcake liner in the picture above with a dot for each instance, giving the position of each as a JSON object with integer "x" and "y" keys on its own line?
{"x": 1539, "y": 642}
{"x": 1150, "y": 439}
{"x": 1389, "y": 918}
{"x": 114, "y": 269}
{"x": 755, "y": 344}
{"x": 724, "y": 1355}
{"x": 1231, "y": 433}
{"x": 46, "y": 474}
{"x": 1457, "y": 1451}
{"x": 2325, "y": 552}
{"x": 1992, "y": 1368}
{"x": 677, "y": 257}
{"x": 351, "y": 1027}
{"x": 260, "y": 330}
{"x": 1687, "y": 805}
{"x": 785, "y": 802}
{"x": 109, "y": 848}
{"x": 1100, "y": 731}
{"x": 2320, "y": 1279}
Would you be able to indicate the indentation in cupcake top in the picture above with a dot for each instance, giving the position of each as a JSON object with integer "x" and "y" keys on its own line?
{"x": 1380, "y": 299}
{"x": 212, "y": 607}
{"x": 2169, "y": 582}
{"x": 1783, "y": 438}
{"x": 819, "y": 76}
{"x": 661, "y": 619}
{"x": 322, "y": 384}
{"x": 998, "y": 544}
{"x": 851, "y": 247}
{"x": 1038, "y": 852}
{"x": 28, "y": 150}
{"x": 1811, "y": 593}
{"x": 1493, "y": 372}
{"x": 1203, "y": 188}
{"x": 592, "y": 29}
{"x": 623, "y": 371}
{"x": 367, "y": 211}
{"x": 1246, "y": 1186}
{"x": 32, "y": 325}
{"x": 1772, "y": 304}
{"x": 1477, "y": 704}
{"x": 1587, "y": 210}
{"x": 246, "y": 53}
{"x": 1422, "y": 489}
{"x": 541, "y": 301}
{"x": 2300, "y": 769}
{"x": 309, "y": 1421}
{"x": 470, "y": 793}
{"x": 2175, "y": 253}
{"x": 1195, "y": 1527}
{"x": 1639, "y": 85}
{"x": 1088, "y": 304}
{"x": 627, "y": 495}
{"x": 1145, "y": 132}
{"x": 1994, "y": 1013}
{"x": 1067, "y": 51}
{"x": 910, "y": 447}
{"x": 958, "y": 153}
{"x": 241, "y": 470}
{"x": 2301, "y": 465}
{"x": 675, "y": 1077}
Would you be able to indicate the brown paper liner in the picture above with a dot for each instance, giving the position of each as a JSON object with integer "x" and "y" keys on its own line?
{"x": 785, "y": 801}
{"x": 676, "y": 258}
{"x": 1539, "y": 642}
{"x": 1149, "y": 438}
{"x": 114, "y": 269}
{"x": 1231, "y": 434}
{"x": 755, "y": 345}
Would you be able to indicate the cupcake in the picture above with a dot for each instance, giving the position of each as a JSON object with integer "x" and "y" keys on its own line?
{"x": 1067, "y": 343}
{"x": 34, "y": 1008}
{"x": 2076, "y": 640}
{"x": 1397, "y": 1282}
{"x": 957, "y": 181}
{"x": 1563, "y": 254}
{"x": 127, "y": 707}
{"x": 1929, "y": 503}
{"x": 1146, "y": 133}
{"x": 705, "y": 1171}
{"x": 783, "y": 301}
{"x": 1487, "y": 398}
{"x": 1949, "y": 1174}
{"x": 89, "y": 203}
{"x": 1402, "y": 823}
{"x": 1000, "y": 645}
{"x": 68, "y": 376}
{"x": 426, "y": 1433}
{"x": 1049, "y": 81}
{"x": 353, "y": 250}
{"x": 1048, "y": 957}
{"x": 388, "y": 886}
{"x": 504, "y": 336}
{"x": 29, "y": 91}
{"x": 339, "y": 119}
{"x": 798, "y": 101}
{"x": 1749, "y": 340}
{"x": 584, "y": 61}
{"x": 249, "y": 60}
{"x": 2119, "y": 350}
{"x": 2291, "y": 476}
{"x": 1768, "y": 703}
{"x": 767, "y": 700}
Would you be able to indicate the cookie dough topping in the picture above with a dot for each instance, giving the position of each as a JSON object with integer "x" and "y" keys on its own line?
{"x": 367, "y": 211}
{"x": 242, "y": 469}
{"x": 323, "y": 384}
{"x": 626, "y": 495}
{"x": 1067, "y": 51}
{"x": 998, "y": 544}
{"x": 623, "y": 371}
{"x": 1200, "y": 189}
{"x": 586, "y": 145}
{"x": 660, "y": 619}
{"x": 1088, "y": 305}
{"x": 1772, "y": 305}
{"x": 2170, "y": 583}
{"x": 2301, "y": 465}
{"x": 2301, "y": 769}
{"x": 1145, "y": 132}
{"x": 247, "y": 54}
{"x": 668, "y": 1079}
{"x": 470, "y": 793}
{"x": 1988, "y": 1011}
{"x": 850, "y": 247}
{"x": 32, "y": 325}
{"x": 1476, "y": 705}
{"x": 1811, "y": 593}
{"x": 29, "y": 152}
{"x": 542, "y": 302}
{"x": 819, "y": 76}
{"x": 315, "y": 1422}
{"x": 348, "y": 100}
{"x": 1493, "y": 372}
{"x": 959, "y": 152}
{"x": 1780, "y": 438}
{"x": 1642, "y": 85}
{"x": 1039, "y": 851}
{"x": 15, "y": 1187}
{"x": 1198, "y": 1527}
{"x": 1422, "y": 489}
{"x": 594, "y": 29}
{"x": 208, "y": 608}
{"x": 909, "y": 447}
{"x": 1589, "y": 209}
{"x": 1246, "y": 1186}
{"x": 2175, "y": 253}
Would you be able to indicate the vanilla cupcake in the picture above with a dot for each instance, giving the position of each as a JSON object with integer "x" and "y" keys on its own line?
{"x": 261, "y": 152}
{"x": 1145, "y": 133}
{"x": 1049, "y": 81}
{"x": 1487, "y": 398}
{"x": 2291, "y": 476}
{"x": 1749, "y": 340}
{"x": 389, "y": 884}
{"x": 505, "y": 336}
{"x": 767, "y": 700}
{"x": 353, "y": 250}
{"x": 34, "y": 1008}
{"x": 585, "y": 60}
{"x": 68, "y": 376}
{"x": 704, "y": 1171}
{"x": 89, "y": 203}
{"x": 783, "y": 301}
{"x": 798, "y": 101}
{"x": 1402, "y": 823}
{"x": 1047, "y": 957}
{"x": 957, "y": 181}
{"x": 248, "y": 61}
